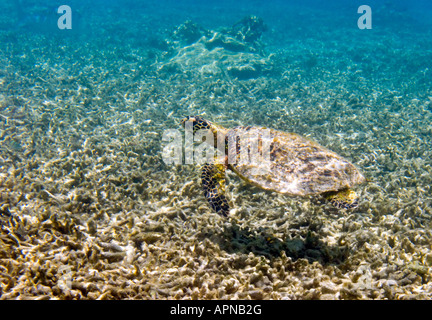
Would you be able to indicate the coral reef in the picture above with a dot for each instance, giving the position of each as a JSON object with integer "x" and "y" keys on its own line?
{"x": 229, "y": 53}
{"x": 89, "y": 210}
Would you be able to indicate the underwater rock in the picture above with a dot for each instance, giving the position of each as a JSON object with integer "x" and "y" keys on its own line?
{"x": 245, "y": 72}
{"x": 249, "y": 29}
{"x": 228, "y": 43}
{"x": 198, "y": 60}
{"x": 243, "y": 36}
{"x": 188, "y": 33}
{"x": 236, "y": 52}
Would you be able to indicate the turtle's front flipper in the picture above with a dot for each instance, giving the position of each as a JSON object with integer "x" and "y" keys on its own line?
{"x": 213, "y": 184}
{"x": 343, "y": 199}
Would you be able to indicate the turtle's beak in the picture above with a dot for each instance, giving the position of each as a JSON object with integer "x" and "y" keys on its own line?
{"x": 183, "y": 121}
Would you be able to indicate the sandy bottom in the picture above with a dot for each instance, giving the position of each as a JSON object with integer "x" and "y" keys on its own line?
{"x": 88, "y": 209}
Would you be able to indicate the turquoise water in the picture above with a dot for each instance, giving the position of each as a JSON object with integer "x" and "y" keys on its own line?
{"x": 89, "y": 209}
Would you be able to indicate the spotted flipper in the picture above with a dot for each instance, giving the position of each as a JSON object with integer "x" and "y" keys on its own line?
{"x": 344, "y": 199}
{"x": 213, "y": 184}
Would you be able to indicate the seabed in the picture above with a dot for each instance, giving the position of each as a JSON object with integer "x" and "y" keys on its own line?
{"x": 89, "y": 210}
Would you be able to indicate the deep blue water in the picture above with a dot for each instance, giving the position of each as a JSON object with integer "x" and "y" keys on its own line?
{"x": 84, "y": 109}
{"x": 405, "y": 23}
{"x": 283, "y": 16}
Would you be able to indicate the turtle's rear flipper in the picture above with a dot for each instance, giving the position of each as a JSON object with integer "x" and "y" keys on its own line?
{"x": 213, "y": 184}
{"x": 343, "y": 199}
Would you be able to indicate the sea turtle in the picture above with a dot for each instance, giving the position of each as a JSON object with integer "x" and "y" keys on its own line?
{"x": 295, "y": 165}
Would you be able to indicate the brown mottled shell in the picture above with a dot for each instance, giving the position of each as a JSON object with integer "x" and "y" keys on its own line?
{"x": 288, "y": 163}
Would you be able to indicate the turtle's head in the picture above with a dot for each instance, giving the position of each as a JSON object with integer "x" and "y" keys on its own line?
{"x": 197, "y": 123}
